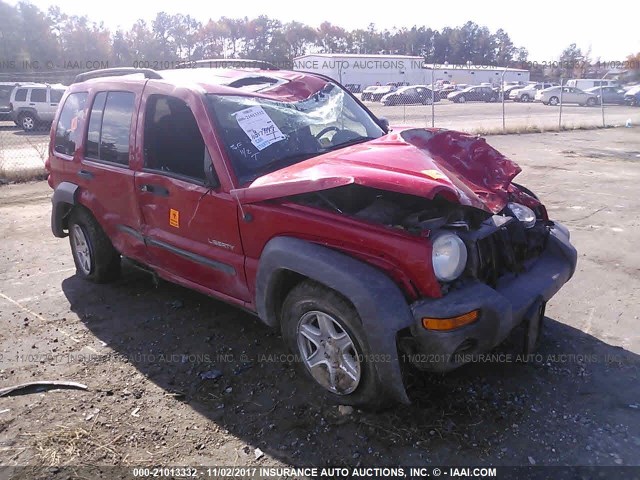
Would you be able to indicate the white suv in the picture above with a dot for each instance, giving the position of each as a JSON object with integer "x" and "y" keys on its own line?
{"x": 528, "y": 93}
{"x": 35, "y": 105}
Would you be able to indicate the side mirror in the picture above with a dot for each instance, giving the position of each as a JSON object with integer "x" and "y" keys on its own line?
{"x": 384, "y": 124}
{"x": 211, "y": 179}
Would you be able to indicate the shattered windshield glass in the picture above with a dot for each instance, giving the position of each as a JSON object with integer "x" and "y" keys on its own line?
{"x": 263, "y": 135}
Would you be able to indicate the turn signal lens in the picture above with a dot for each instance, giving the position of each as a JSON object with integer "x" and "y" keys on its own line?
{"x": 443, "y": 324}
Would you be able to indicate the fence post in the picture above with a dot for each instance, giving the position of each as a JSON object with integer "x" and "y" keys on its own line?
{"x": 602, "y": 105}
{"x": 433, "y": 100}
{"x": 504, "y": 125}
{"x": 560, "y": 115}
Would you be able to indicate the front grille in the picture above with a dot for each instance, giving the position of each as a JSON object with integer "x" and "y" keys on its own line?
{"x": 507, "y": 249}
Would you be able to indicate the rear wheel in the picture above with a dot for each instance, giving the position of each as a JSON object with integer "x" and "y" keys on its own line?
{"x": 93, "y": 253}
{"x": 27, "y": 121}
{"x": 524, "y": 98}
{"x": 326, "y": 332}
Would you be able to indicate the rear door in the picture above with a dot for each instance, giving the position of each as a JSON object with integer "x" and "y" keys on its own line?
{"x": 189, "y": 224}
{"x": 38, "y": 101}
{"x": 105, "y": 172}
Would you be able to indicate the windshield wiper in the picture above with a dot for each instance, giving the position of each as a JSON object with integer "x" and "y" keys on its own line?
{"x": 280, "y": 163}
{"x": 353, "y": 141}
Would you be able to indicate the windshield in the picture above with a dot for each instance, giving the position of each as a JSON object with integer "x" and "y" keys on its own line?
{"x": 263, "y": 135}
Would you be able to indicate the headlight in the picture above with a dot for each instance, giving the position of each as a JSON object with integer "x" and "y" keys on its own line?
{"x": 524, "y": 214}
{"x": 449, "y": 256}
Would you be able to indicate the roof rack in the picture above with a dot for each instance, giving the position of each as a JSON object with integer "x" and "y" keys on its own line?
{"x": 228, "y": 63}
{"x": 115, "y": 72}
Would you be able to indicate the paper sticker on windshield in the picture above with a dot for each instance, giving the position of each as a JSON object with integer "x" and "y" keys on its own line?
{"x": 259, "y": 127}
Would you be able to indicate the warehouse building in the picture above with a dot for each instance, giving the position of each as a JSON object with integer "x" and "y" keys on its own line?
{"x": 364, "y": 70}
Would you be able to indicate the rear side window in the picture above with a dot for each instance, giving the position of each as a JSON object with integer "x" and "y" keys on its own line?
{"x": 5, "y": 94}
{"x": 21, "y": 95}
{"x": 39, "y": 95}
{"x": 110, "y": 126}
{"x": 69, "y": 125}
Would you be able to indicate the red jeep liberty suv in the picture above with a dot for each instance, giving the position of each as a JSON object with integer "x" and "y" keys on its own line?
{"x": 279, "y": 192}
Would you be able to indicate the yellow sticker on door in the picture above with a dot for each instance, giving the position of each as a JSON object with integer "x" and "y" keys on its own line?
{"x": 174, "y": 218}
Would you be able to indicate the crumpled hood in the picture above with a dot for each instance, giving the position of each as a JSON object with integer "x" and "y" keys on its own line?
{"x": 423, "y": 162}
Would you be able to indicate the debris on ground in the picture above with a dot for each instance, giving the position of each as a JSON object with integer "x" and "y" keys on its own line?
{"x": 211, "y": 374}
{"x": 40, "y": 386}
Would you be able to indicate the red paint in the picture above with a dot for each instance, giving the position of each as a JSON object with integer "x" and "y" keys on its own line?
{"x": 426, "y": 163}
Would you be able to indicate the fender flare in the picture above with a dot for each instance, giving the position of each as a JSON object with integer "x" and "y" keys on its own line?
{"x": 378, "y": 300}
{"x": 64, "y": 197}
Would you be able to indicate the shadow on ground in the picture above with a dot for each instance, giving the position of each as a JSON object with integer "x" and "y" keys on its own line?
{"x": 575, "y": 404}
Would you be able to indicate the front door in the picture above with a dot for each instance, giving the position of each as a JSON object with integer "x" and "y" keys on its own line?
{"x": 189, "y": 223}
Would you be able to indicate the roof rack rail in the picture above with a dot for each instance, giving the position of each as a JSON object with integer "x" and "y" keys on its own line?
{"x": 227, "y": 63}
{"x": 114, "y": 72}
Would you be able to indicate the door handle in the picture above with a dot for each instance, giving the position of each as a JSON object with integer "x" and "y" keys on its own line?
{"x": 155, "y": 190}
{"x": 85, "y": 174}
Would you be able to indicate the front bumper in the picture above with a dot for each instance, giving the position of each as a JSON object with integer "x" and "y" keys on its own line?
{"x": 514, "y": 299}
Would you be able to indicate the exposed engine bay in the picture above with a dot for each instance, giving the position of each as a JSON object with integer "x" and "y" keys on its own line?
{"x": 496, "y": 244}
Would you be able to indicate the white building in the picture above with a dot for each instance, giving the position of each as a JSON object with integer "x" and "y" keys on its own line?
{"x": 365, "y": 70}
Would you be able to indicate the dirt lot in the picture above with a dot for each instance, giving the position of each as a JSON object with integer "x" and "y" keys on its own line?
{"x": 142, "y": 349}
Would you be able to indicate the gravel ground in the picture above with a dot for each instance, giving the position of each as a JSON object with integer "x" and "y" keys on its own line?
{"x": 177, "y": 378}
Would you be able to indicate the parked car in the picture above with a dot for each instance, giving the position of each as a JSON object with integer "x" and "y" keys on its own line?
{"x": 507, "y": 90}
{"x": 34, "y": 106}
{"x": 611, "y": 95}
{"x": 474, "y": 94}
{"x": 632, "y": 96}
{"x": 5, "y": 99}
{"x": 354, "y": 87}
{"x": 381, "y": 91}
{"x": 415, "y": 94}
{"x": 368, "y": 91}
{"x": 586, "y": 83}
{"x": 528, "y": 93}
{"x": 449, "y": 88}
{"x": 360, "y": 244}
{"x": 554, "y": 95}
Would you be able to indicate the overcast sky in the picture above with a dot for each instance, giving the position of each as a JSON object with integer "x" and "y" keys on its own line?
{"x": 544, "y": 28}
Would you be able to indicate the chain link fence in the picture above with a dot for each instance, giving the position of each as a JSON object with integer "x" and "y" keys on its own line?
{"x": 481, "y": 109}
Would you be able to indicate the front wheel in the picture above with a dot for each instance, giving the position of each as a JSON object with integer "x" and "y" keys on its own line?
{"x": 524, "y": 98}
{"x": 591, "y": 102}
{"x": 93, "y": 253}
{"x": 326, "y": 332}
{"x": 554, "y": 101}
{"x": 461, "y": 99}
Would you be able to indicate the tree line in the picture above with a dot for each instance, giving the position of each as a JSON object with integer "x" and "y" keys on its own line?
{"x": 30, "y": 36}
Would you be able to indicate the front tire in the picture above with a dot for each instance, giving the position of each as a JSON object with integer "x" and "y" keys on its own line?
{"x": 554, "y": 101}
{"x": 524, "y": 98}
{"x": 93, "y": 253}
{"x": 461, "y": 99}
{"x": 591, "y": 102}
{"x": 326, "y": 332}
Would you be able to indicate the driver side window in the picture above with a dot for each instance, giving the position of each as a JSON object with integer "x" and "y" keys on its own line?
{"x": 172, "y": 140}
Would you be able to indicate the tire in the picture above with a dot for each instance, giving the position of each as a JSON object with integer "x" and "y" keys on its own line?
{"x": 591, "y": 102}
{"x": 524, "y": 98}
{"x": 461, "y": 99}
{"x": 93, "y": 253}
{"x": 310, "y": 303}
{"x": 554, "y": 101}
{"x": 525, "y": 190}
{"x": 27, "y": 121}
